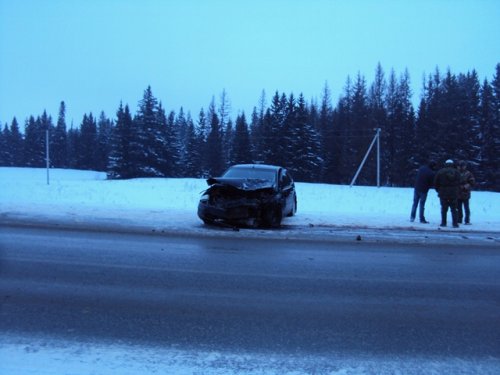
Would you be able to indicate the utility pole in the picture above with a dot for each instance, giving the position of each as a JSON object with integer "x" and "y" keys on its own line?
{"x": 47, "y": 157}
{"x": 378, "y": 157}
{"x": 376, "y": 138}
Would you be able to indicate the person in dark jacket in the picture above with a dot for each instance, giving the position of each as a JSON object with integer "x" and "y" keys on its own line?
{"x": 467, "y": 181}
{"x": 447, "y": 184}
{"x": 423, "y": 182}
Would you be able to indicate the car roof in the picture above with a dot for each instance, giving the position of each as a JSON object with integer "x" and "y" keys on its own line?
{"x": 256, "y": 166}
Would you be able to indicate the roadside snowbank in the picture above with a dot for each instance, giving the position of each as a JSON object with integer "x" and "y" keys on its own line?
{"x": 171, "y": 203}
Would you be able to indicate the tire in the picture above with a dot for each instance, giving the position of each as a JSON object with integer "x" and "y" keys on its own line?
{"x": 272, "y": 217}
{"x": 294, "y": 208}
{"x": 208, "y": 222}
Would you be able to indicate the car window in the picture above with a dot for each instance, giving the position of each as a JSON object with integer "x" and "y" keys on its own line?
{"x": 251, "y": 173}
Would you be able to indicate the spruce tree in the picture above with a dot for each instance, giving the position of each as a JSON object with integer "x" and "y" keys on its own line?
{"x": 202, "y": 141}
{"x": 150, "y": 141}
{"x": 330, "y": 147}
{"x": 241, "y": 147}
{"x": 304, "y": 160}
{"x": 120, "y": 164}
{"x": 378, "y": 108}
{"x": 342, "y": 122}
{"x": 59, "y": 149}
{"x": 429, "y": 132}
{"x": 257, "y": 129}
{"x": 405, "y": 159}
{"x": 486, "y": 173}
{"x": 391, "y": 130}
{"x": 5, "y": 151}
{"x": 34, "y": 144}
{"x": 360, "y": 135}
{"x": 73, "y": 141}
{"x": 214, "y": 152}
{"x": 87, "y": 143}
{"x": 181, "y": 129}
{"x": 103, "y": 147}
{"x": 16, "y": 144}
{"x": 256, "y": 134}
{"x": 170, "y": 152}
{"x": 495, "y": 131}
{"x": 227, "y": 143}
{"x": 192, "y": 157}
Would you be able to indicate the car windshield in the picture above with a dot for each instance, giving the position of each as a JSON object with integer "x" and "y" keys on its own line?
{"x": 251, "y": 173}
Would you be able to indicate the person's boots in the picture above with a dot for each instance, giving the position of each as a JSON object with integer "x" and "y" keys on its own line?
{"x": 443, "y": 219}
{"x": 454, "y": 216}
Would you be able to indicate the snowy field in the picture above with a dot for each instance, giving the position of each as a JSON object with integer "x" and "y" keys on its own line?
{"x": 170, "y": 204}
{"x": 87, "y": 198}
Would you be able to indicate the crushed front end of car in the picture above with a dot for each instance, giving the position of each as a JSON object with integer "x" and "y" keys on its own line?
{"x": 248, "y": 202}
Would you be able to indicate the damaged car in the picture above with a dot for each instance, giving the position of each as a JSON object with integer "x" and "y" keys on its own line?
{"x": 256, "y": 195}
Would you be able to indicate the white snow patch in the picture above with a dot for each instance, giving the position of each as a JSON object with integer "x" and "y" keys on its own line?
{"x": 171, "y": 203}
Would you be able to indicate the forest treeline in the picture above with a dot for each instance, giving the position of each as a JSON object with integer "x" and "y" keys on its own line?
{"x": 458, "y": 117}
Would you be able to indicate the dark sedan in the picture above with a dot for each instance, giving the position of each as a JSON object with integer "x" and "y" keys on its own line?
{"x": 255, "y": 195}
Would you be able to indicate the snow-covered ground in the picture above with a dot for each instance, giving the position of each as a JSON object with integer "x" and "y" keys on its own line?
{"x": 170, "y": 204}
{"x": 84, "y": 198}
{"x": 40, "y": 356}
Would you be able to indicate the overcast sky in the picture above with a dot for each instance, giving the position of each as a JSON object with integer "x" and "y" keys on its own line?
{"x": 95, "y": 53}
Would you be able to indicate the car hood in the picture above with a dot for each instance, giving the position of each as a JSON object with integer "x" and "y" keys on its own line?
{"x": 246, "y": 184}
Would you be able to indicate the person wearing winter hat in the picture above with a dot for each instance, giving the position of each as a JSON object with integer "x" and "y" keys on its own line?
{"x": 447, "y": 184}
{"x": 467, "y": 181}
{"x": 423, "y": 182}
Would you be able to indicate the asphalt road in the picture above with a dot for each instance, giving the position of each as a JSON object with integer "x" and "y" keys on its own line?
{"x": 241, "y": 294}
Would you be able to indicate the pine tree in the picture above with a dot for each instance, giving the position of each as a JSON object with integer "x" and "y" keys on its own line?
{"x": 73, "y": 141}
{"x": 241, "y": 147}
{"x": 257, "y": 133}
{"x": 214, "y": 151}
{"x": 342, "y": 122}
{"x": 405, "y": 159}
{"x": 390, "y": 131}
{"x": 181, "y": 129}
{"x": 330, "y": 147}
{"x": 488, "y": 174}
{"x": 16, "y": 143}
{"x": 428, "y": 130}
{"x": 87, "y": 143}
{"x": 120, "y": 164}
{"x": 378, "y": 108}
{"x": 273, "y": 130}
{"x": 202, "y": 143}
{"x": 171, "y": 150}
{"x": 360, "y": 135}
{"x": 495, "y": 131}
{"x": 470, "y": 143}
{"x": 227, "y": 143}
{"x": 304, "y": 162}
{"x": 59, "y": 149}
{"x": 5, "y": 150}
{"x": 103, "y": 146}
{"x": 147, "y": 151}
{"x": 34, "y": 145}
{"x": 192, "y": 156}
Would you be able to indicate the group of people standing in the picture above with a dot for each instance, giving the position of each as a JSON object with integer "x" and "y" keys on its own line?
{"x": 453, "y": 186}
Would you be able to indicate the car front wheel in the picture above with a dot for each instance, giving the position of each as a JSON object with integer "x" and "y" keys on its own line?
{"x": 294, "y": 208}
{"x": 272, "y": 217}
